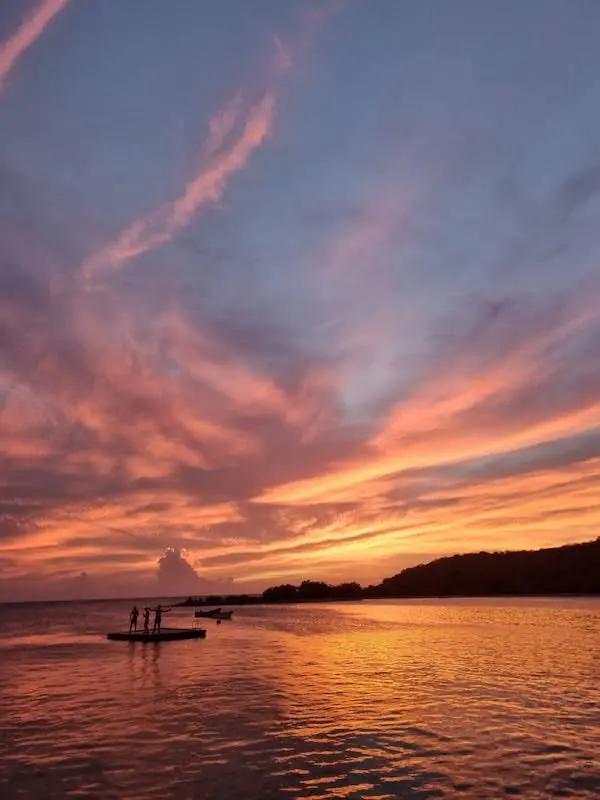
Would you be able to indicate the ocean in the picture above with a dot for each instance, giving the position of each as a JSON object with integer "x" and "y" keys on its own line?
{"x": 466, "y": 698}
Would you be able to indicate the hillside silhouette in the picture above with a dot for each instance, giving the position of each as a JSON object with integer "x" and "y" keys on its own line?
{"x": 570, "y": 569}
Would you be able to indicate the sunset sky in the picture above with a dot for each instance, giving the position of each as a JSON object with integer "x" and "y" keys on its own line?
{"x": 294, "y": 289}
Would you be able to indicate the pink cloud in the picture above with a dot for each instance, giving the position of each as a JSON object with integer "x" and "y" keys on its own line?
{"x": 26, "y": 35}
{"x": 221, "y": 161}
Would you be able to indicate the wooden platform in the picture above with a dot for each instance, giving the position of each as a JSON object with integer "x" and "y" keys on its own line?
{"x": 165, "y": 635}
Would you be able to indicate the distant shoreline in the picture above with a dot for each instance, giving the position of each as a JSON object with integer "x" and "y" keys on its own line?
{"x": 571, "y": 570}
{"x": 328, "y": 601}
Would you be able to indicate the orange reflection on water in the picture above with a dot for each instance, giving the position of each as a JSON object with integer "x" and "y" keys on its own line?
{"x": 384, "y": 699}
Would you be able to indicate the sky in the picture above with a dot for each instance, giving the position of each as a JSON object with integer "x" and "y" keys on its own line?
{"x": 294, "y": 289}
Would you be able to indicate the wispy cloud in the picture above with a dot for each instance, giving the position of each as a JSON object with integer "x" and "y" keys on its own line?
{"x": 28, "y": 32}
{"x": 470, "y": 411}
{"x": 235, "y": 132}
{"x": 221, "y": 159}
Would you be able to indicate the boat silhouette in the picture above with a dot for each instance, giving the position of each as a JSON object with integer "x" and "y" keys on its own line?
{"x": 214, "y": 613}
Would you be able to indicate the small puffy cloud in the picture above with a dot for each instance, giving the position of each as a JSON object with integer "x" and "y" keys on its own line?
{"x": 176, "y": 575}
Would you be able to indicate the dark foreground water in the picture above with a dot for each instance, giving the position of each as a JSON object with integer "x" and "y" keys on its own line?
{"x": 455, "y": 699}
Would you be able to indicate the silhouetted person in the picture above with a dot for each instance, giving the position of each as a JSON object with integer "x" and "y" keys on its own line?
{"x": 146, "y": 620}
{"x": 158, "y": 612}
{"x": 133, "y": 618}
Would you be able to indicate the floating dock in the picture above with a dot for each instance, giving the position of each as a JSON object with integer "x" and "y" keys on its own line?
{"x": 165, "y": 635}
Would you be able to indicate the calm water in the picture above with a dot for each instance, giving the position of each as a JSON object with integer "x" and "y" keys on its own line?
{"x": 468, "y": 699}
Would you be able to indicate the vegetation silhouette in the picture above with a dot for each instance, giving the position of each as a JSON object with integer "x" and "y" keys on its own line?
{"x": 570, "y": 569}
{"x": 311, "y": 591}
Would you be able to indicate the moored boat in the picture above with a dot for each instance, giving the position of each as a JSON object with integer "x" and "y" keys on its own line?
{"x": 214, "y": 613}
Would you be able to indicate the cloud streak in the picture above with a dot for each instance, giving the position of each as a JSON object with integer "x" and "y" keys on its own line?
{"x": 26, "y": 35}
{"x": 221, "y": 160}
{"x": 235, "y": 132}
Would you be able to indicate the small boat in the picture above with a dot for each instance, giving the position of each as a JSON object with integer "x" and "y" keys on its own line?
{"x": 214, "y": 613}
{"x": 209, "y": 613}
{"x": 165, "y": 635}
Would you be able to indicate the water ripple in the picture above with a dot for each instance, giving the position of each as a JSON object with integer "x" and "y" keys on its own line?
{"x": 463, "y": 699}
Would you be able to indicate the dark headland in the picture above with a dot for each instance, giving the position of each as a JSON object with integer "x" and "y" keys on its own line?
{"x": 572, "y": 569}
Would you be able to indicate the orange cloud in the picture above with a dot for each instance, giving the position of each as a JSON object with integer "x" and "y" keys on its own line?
{"x": 457, "y": 415}
{"x": 169, "y": 404}
{"x": 28, "y": 32}
{"x": 543, "y": 508}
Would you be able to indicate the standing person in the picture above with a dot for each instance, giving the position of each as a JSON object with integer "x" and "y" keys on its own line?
{"x": 146, "y": 620}
{"x": 133, "y": 618}
{"x": 158, "y": 612}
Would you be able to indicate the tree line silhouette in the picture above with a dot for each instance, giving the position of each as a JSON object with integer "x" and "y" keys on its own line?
{"x": 312, "y": 590}
{"x": 570, "y": 569}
